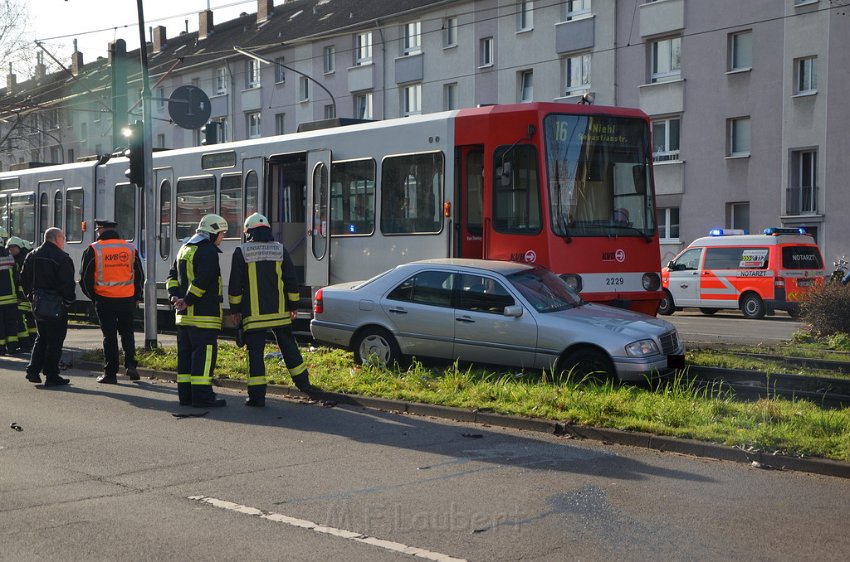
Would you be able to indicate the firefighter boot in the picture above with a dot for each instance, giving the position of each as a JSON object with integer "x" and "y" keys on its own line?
{"x": 184, "y": 393}
{"x": 302, "y": 383}
{"x": 256, "y": 396}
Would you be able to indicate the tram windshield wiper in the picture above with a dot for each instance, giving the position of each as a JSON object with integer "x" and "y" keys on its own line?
{"x": 646, "y": 236}
{"x": 562, "y": 218}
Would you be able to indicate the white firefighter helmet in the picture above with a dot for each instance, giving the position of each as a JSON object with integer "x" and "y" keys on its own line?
{"x": 212, "y": 224}
{"x": 16, "y": 241}
{"x": 255, "y": 220}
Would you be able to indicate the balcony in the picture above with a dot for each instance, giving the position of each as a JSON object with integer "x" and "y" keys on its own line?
{"x": 801, "y": 201}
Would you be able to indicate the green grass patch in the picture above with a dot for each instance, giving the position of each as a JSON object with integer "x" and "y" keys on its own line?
{"x": 675, "y": 408}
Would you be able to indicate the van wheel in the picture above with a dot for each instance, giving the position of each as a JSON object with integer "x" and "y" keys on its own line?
{"x": 666, "y": 306}
{"x": 708, "y": 311}
{"x": 752, "y": 306}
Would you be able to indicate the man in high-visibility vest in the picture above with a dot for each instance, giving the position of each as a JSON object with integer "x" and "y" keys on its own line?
{"x": 111, "y": 276}
{"x": 263, "y": 293}
{"x": 194, "y": 285}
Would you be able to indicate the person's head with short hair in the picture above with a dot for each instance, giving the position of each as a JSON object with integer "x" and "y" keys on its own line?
{"x": 55, "y": 236}
{"x": 101, "y": 225}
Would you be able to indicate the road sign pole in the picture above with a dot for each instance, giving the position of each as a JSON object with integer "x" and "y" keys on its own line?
{"x": 150, "y": 198}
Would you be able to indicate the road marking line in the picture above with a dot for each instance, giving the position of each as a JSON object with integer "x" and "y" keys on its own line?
{"x": 315, "y": 527}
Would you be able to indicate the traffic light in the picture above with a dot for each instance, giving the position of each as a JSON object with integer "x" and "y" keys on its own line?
{"x": 209, "y": 132}
{"x": 136, "y": 153}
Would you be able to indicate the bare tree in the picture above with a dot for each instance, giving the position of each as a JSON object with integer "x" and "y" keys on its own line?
{"x": 16, "y": 46}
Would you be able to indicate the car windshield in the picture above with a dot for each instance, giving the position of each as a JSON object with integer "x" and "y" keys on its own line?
{"x": 544, "y": 290}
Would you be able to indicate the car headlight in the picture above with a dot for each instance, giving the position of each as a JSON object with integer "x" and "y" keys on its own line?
{"x": 641, "y": 348}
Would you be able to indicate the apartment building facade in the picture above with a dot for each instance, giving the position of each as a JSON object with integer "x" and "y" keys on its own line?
{"x": 744, "y": 135}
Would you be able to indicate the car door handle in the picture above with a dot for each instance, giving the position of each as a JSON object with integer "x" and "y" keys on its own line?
{"x": 466, "y": 319}
{"x": 398, "y": 311}
{"x": 683, "y": 286}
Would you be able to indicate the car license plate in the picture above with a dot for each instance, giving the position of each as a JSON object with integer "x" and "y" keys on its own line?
{"x": 804, "y": 282}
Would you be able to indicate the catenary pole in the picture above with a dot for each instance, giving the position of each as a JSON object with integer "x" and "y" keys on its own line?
{"x": 147, "y": 190}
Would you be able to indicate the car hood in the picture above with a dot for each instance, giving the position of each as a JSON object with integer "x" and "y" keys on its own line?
{"x": 629, "y": 324}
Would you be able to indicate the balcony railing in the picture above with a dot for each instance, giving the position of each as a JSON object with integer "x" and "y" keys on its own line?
{"x": 801, "y": 200}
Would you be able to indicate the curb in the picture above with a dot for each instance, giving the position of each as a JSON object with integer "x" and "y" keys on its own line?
{"x": 659, "y": 443}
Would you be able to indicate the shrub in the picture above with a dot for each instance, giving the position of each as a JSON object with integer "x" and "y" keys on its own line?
{"x": 826, "y": 310}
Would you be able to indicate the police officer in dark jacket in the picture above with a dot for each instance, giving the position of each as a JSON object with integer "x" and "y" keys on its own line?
{"x": 49, "y": 268}
{"x": 264, "y": 293}
{"x": 194, "y": 284}
{"x": 111, "y": 277}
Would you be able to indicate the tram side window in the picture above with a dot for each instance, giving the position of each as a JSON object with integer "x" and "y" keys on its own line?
{"x": 230, "y": 204}
{"x": 22, "y": 216}
{"x": 74, "y": 215}
{"x": 195, "y": 198}
{"x": 353, "y": 197}
{"x": 411, "y": 193}
{"x": 57, "y": 209}
{"x": 4, "y": 210}
{"x": 252, "y": 193}
{"x": 125, "y": 209}
{"x": 475, "y": 191}
{"x": 165, "y": 219}
{"x": 516, "y": 190}
{"x": 44, "y": 213}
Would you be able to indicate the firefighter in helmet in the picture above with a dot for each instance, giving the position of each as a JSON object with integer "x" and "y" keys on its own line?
{"x": 18, "y": 249}
{"x": 9, "y": 282}
{"x": 194, "y": 285}
{"x": 263, "y": 293}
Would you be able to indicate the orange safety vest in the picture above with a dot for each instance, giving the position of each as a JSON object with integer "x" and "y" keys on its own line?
{"x": 114, "y": 273}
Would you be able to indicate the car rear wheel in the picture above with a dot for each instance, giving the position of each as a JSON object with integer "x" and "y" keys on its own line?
{"x": 586, "y": 364}
{"x": 752, "y": 306}
{"x": 376, "y": 347}
{"x": 666, "y": 307}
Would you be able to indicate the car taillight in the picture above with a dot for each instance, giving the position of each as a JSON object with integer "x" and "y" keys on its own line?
{"x": 319, "y": 304}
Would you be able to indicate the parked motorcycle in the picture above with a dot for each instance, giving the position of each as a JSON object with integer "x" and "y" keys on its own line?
{"x": 840, "y": 271}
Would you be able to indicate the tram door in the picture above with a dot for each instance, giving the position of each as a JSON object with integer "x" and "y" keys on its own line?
{"x": 318, "y": 251}
{"x": 469, "y": 202}
{"x": 284, "y": 203}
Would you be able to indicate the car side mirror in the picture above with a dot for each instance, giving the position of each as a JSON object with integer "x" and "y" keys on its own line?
{"x": 670, "y": 264}
{"x": 514, "y": 311}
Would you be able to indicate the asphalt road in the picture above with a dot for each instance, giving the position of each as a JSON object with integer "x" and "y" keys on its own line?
{"x": 732, "y": 328}
{"x": 108, "y": 473}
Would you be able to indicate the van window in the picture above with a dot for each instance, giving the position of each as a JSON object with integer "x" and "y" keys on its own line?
{"x": 801, "y": 257}
{"x": 736, "y": 258}
{"x": 688, "y": 261}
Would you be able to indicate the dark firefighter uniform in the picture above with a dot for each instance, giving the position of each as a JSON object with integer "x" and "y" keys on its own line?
{"x": 111, "y": 277}
{"x": 263, "y": 289}
{"x": 194, "y": 284}
{"x": 19, "y": 249}
{"x": 9, "y": 282}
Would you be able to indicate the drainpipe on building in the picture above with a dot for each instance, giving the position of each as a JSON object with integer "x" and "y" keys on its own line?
{"x": 232, "y": 105}
{"x": 383, "y": 71}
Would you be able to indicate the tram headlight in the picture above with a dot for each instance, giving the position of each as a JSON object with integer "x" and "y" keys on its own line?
{"x": 641, "y": 348}
{"x": 573, "y": 281}
{"x": 651, "y": 281}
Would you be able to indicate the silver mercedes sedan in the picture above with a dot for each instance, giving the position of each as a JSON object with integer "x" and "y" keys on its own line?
{"x": 491, "y": 312}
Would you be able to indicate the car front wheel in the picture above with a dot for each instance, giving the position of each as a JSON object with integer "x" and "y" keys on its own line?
{"x": 587, "y": 364}
{"x": 666, "y": 307}
{"x": 376, "y": 347}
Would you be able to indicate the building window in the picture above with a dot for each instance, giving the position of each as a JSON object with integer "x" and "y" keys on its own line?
{"x": 412, "y": 38}
{"x": 486, "y": 54}
{"x": 56, "y": 155}
{"x": 577, "y": 74}
{"x": 252, "y": 73}
{"x": 450, "y": 96}
{"x": 526, "y": 85}
{"x": 805, "y": 75}
{"x": 666, "y": 59}
{"x": 160, "y": 99}
{"x": 450, "y": 32}
{"x": 303, "y": 89}
{"x": 160, "y": 140}
{"x": 525, "y": 15}
{"x": 739, "y": 136}
{"x": 802, "y": 195}
{"x": 665, "y": 139}
{"x": 223, "y": 132}
{"x": 330, "y": 111}
{"x": 577, "y": 9}
{"x": 363, "y": 106}
{"x": 741, "y": 50}
{"x": 70, "y": 155}
{"x": 330, "y": 59}
{"x": 279, "y": 71}
{"x": 668, "y": 224}
{"x": 412, "y": 99}
{"x": 739, "y": 216}
{"x": 253, "y": 125}
{"x": 363, "y": 49}
{"x": 221, "y": 80}
{"x": 279, "y": 122}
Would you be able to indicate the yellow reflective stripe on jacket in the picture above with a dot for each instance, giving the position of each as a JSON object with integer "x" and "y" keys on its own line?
{"x": 265, "y": 321}
{"x": 211, "y": 322}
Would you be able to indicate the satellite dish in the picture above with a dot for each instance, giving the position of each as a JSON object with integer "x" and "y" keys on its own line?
{"x": 189, "y": 107}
